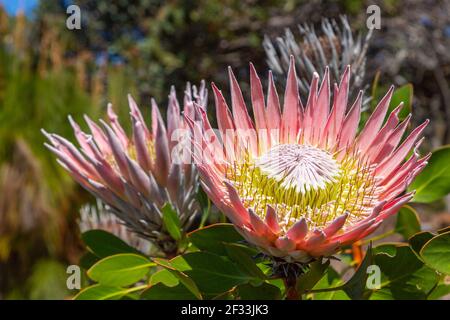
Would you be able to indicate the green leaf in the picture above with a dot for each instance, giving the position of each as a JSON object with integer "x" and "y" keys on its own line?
{"x": 171, "y": 221}
{"x": 265, "y": 291}
{"x": 308, "y": 280}
{"x": 388, "y": 248}
{"x": 240, "y": 255}
{"x": 188, "y": 283}
{"x": 440, "y": 291}
{"x": 205, "y": 204}
{"x": 131, "y": 296}
{"x": 433, "y": 183}
{"x": 355, "y": 287}
{"x": 403, "y": 94}
{"x": 418, "y": 240}
{"x": 213, "y": 237}
{"x": 436, "y": 253}
{"x": 101, "y": 292}
{"x": 403, "y": 275}
{"x": 165, "y": 277}
{"x": 407, "y": 222}
{"x": 161, "y": 292}
{"x": 88, "y": 259}
{"x": 104, "y": 244}
{"x": 444, "y": 230}
{"x": 277, "y": 282}
{"x": 180, "y": 276}
{"x": 330, "y": 280}
{"x": 212, "y": 273}
{"x": 120, "y": 270}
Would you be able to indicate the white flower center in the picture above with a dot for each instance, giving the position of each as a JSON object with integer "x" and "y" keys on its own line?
{"x": 301, "y": 167}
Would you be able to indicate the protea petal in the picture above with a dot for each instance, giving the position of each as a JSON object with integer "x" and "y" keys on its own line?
{"x": 350, "y": 125}
{"x": 273, "y": 106}
{"x": 272, "y": 220}
{"x": 298, "y": 231}
{"x": 319, "y": 112}
{"x": 118, "y": 130}
{"x": 292, "y": 109}
{"x": 223, "y": 112}
{"x": 375, "y": 120}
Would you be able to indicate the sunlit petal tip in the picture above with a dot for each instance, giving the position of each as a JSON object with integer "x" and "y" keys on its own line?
{"x": 298, "y": 231}
{"x": 257, "y": 224}
{"x": 285, "y": 244}
{"x": 315, "y": 238}
{"x": 336, "y": 225}
{"x": 272, "y": 219}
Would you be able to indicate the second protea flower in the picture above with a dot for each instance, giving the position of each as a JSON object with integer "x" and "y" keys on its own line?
{"x": 137, "y": 175}
{"x": 301, "y": 182}
{"x": 336, "y": 46}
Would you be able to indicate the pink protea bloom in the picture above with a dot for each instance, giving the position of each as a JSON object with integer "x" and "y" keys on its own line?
{"x": 136, "y": 176}
{"x": 302, "y": 182}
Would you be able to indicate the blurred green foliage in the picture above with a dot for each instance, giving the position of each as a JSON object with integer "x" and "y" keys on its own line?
{"x": 47, "y": 281}
{"x": 39, "y": 201}
{"x": 47, "y": 72}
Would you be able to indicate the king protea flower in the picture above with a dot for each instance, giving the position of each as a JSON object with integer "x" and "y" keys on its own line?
{"x": 136, "y": 176}
{"x": 302, "y": 182}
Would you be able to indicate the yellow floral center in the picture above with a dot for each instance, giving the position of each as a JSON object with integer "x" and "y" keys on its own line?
{"x": 305, "y": 181}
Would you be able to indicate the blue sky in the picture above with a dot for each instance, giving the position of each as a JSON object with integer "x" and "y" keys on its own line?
{"x": 12, "y": 6}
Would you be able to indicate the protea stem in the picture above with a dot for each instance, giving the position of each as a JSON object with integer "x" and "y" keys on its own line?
{"x": 289, "y": 272}
{"x": 169, "y": 247}
{"x": 291, "y": 290}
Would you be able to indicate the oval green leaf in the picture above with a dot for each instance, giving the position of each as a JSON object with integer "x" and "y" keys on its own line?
{"x": 417, "y": 241}
{"x": 440, "y": 291}
{"x": 165, "y": 277}
{"x": 403, "y": 94}
{"x": 240, "y": 255}
{"x": 180, "y": 276}
{"x": 407, "y": 222}
{"x": 433, "y": 183}
{"x": 265, "y": 291}
{"x": 101, "y": 292}
{"x": 309, "y": 279}
{"x": 120, "y": 270}
{"x": 171, "y": 221}
{"x": 403, "y": 275}
{"x": 161, "y": 292}
{"x": 88, "y": 259}
{"x": 212, "y": 273}
{"x": 213, "y": 237}
{"x": 104, "y": 244}
{"x": 436, "y": 253}
{"x": 332, "y": 279}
